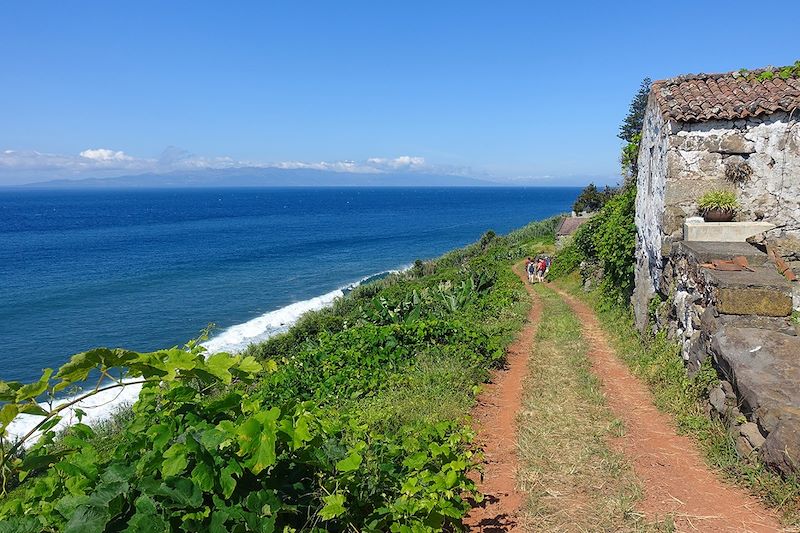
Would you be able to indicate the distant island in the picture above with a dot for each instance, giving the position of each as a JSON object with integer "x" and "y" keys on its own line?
{"x": 265, "y": 177}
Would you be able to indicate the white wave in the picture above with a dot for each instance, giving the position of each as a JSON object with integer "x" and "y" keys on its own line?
{"x": 97, "y": 408}
{"x": 234, "y": 339}
{"x": 237, "y": 338}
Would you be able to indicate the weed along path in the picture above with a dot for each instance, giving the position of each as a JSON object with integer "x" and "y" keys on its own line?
{"x": 495, "y": 416}
{"x": 675, "y": 480}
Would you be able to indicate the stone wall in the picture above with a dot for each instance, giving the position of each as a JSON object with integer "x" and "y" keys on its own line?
{"x": 699, "y": 153}
{"x": 679, "y": 162}
{"x": 650, "y": 203}
{"x": 739, "y": 321}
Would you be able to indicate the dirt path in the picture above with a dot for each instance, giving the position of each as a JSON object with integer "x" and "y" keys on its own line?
{"x": 676, "y": 480}
{"x": 495, "y": 416}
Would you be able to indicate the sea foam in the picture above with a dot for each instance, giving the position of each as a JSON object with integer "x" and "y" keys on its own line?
{"x": 234, "y": 339}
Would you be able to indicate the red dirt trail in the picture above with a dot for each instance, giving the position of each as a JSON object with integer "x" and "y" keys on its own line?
{"x": 495, "y": 416}
{"x": 675, "y": 479}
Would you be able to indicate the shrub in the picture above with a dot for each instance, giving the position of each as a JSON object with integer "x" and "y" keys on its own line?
{"x": 609, "y": 239}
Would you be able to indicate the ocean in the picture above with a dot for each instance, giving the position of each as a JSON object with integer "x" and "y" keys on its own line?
{"x": 146, "y": 269}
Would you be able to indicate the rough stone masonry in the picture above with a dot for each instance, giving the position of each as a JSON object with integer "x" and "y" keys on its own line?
{"x": 695, "y": 129}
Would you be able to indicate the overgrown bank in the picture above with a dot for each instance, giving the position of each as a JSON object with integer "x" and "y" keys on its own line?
{"x": 353, "y": 420}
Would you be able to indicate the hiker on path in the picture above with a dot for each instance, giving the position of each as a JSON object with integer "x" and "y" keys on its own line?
{"x": 541, "y": 266}
{"x": 530, "y": 269}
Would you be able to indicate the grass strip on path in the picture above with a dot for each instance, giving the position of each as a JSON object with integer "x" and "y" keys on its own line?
{"x": 573, "y": 479}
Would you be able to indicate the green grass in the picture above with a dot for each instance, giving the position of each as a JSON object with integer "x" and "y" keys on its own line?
{"x": 573, "y": 479}
{"x": 657, "y": 361}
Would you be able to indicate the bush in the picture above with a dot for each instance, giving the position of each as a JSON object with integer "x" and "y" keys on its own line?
{"x": 592, "y": 199}
{"x": 608, "y": 239}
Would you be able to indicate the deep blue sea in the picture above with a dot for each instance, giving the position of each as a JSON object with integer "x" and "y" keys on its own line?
{"x": 150, "y": 269}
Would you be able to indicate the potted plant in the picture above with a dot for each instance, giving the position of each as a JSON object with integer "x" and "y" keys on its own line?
{"x": 718, "y": 206}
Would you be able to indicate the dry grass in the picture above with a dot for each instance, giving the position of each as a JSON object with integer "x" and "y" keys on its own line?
{"x": 574, "y": 480}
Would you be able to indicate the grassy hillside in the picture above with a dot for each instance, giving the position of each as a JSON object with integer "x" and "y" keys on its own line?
{"x": 355, "y": 419}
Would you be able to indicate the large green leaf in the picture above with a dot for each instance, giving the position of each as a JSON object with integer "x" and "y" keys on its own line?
{"x": 349, "y": 463}
{"x": 203, "y": 477}
{"x": 88, "y": 520}
{"x": 22, "y": 524}
{"x": 218, "y": 365}
{"x": 178, "y": 359}
{"x": 334, "y": 506}
{"x": 175, "y": 460}
{"x": 7, "y": 413}
{"x": 227, "y": 480}
{"x": 32, "y": 390}
{"x": 249, "y": 365}
{"x": 78, "y": 367}
{"x": 8, "y": 390}
{"x": 257, "y": 438}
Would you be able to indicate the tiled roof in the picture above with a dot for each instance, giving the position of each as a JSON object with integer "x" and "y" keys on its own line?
{"x": 730, "y": 96}
{"x": 570, "y": 224}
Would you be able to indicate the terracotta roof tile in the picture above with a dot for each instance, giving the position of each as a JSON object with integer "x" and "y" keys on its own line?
{"x": 729, "y": 96}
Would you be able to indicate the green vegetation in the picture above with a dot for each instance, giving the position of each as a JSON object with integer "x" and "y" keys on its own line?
{"x": 565, "y": 429}
{"x": 607, "y": 241}
{"x": 354, "y": 420}
{"x": 657, "y": 360}
{"x": 592, "y": 199}
{"x": 769, "y": 73}
{"x": 718, "y": 199}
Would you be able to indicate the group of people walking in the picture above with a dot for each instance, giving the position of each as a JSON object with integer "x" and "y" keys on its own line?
{"x": 537, "y": 268}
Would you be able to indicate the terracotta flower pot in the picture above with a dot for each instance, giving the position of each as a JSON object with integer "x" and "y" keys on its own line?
{"x": 718, "y": 215}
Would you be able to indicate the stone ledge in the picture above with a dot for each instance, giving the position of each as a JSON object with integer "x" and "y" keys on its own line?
{"x": 764, "y": 367}
{"x": 723, "y": 231}
{"x": 707, "y": 251}
{"x": 760, "y": 292}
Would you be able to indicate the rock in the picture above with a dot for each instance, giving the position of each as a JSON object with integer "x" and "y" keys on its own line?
{"x": 735, "y": 143}
{"x": 673, "y": 219}
{"x": 781, "y": 449}
{"x": 777, "y": 324}
{"x": 764, "y": 368}
{"x": 751, "y": 432}
{"x": 743, "y": 447}
{"x": 763, "y": 302}
{"x": 728, "y": 388}
{"x": 760, "y": 292}
{"x": 717, "y": 400}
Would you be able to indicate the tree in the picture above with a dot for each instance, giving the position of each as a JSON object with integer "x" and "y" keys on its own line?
{"x": 592, "y": 199}
{"x": 630, "y": 131}
{"x": 632, "y": 125}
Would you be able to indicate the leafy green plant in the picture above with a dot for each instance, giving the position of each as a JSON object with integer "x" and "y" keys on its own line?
{"x": 718, "y": 199}
{"x": 608, "y": 239}
{"x": 769, "y": 73}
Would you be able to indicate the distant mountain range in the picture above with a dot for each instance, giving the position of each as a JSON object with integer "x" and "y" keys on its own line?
{"x": 265, "y": 177}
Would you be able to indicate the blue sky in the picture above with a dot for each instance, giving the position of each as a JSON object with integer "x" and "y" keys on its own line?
{"x": 517, "y": 91}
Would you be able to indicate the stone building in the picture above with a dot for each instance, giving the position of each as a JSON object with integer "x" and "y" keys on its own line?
{"x": 568, "y": 226}
{"x": 700, "y": 129}
{"x": 723, "y": 291}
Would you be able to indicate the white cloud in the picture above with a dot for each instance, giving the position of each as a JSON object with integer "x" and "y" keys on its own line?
{"x": 404, "y": 161}
{"x": 104, "y": 154}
